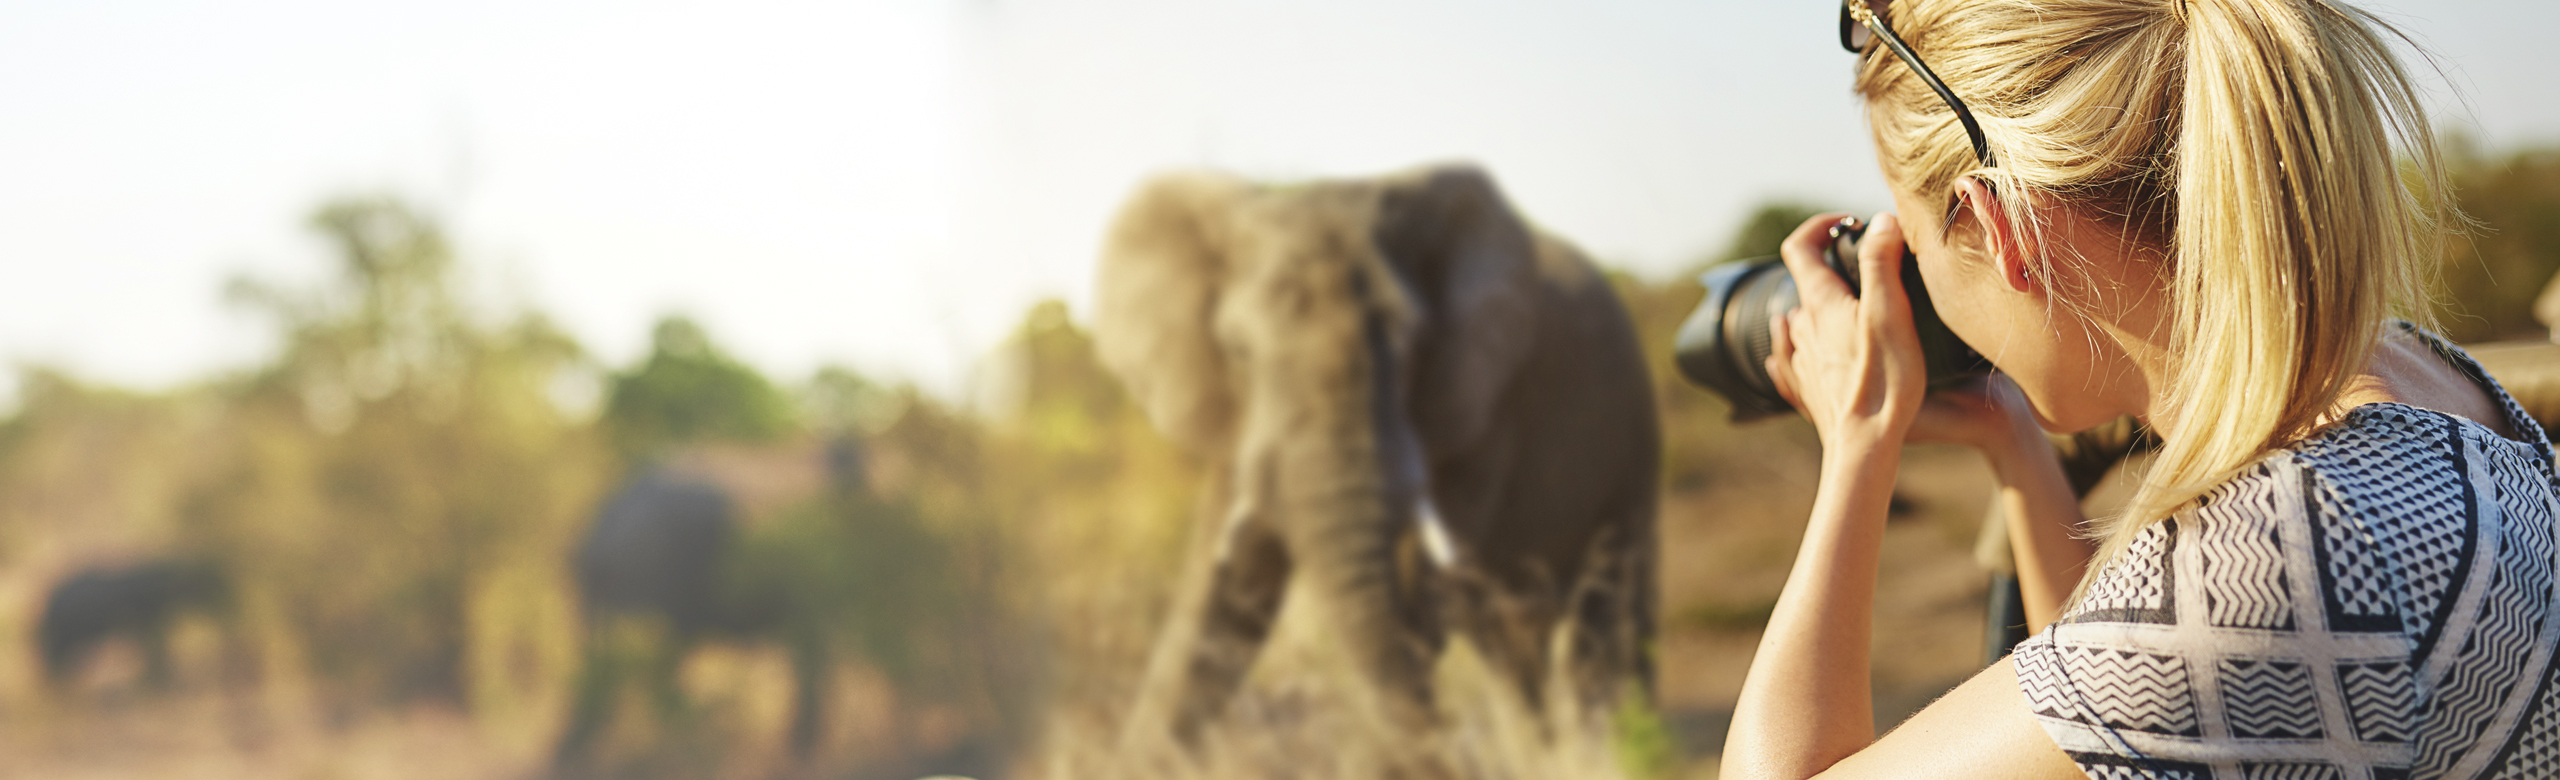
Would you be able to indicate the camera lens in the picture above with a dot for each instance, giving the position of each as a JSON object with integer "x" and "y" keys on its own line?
{"x": 1725, "y": 344}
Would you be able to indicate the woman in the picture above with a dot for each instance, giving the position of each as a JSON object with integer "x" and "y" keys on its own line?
{"x": 2190, "y": 211}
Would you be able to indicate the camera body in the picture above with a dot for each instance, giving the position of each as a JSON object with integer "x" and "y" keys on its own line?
{"x": 1726, "y": 342}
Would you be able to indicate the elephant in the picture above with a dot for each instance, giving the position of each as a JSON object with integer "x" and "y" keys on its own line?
{"x": 654, "y": 577}
{"x": 136, "y": 601}
{"x": 1437, "y": 416}
{"x": 2529, "y": 370}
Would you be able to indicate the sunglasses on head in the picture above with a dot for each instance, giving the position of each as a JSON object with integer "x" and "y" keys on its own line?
{"x": 1861, "y": 24}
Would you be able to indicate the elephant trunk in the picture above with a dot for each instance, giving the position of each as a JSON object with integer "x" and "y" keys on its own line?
{"x": 1353, "y": 502}
{"x": 1353, "y": 545}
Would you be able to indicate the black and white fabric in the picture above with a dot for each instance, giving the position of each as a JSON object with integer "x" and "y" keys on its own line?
{"x": 2376, "y": 602}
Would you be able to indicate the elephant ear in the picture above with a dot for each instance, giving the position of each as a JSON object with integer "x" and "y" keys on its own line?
{"x": 1155, "y": 296}
{"x": 1472, "y": 261}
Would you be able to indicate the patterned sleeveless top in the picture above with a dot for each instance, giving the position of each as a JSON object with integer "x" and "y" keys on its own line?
{"x": 2373, "y": 602}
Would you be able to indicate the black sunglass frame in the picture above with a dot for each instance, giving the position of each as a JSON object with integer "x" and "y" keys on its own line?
{"x": 1868, "y": 15}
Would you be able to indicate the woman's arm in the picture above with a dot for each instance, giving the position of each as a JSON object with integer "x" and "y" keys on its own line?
{"x": 2043, "y": 516}
{"x": 1979, "y": 731}
{"x": 1805, "y": 703}
{"x": 2038, "y": 495}
{"x": 1852, "y": 365}
{"x": 2038, "y": 498}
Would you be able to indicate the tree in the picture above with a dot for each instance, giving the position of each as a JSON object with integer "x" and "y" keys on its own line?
{"x": 397, "y": 461}
{"x": 2491, "y": 275}
{"x": 1759, "y": 235}
{"x": 689, "y": 390}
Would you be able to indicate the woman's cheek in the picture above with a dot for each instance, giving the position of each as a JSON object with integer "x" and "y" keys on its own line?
{"x": 1960, "y": 304}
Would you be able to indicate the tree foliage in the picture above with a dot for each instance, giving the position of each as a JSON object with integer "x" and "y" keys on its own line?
{"x": 397, "y": 458}
{"x": 1768, "y": 225}
{"x": 690, "y": 390}
{"x": 2492, "y": 274}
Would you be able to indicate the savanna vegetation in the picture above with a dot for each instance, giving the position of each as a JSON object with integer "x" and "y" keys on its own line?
{"x": 393, "y": 499}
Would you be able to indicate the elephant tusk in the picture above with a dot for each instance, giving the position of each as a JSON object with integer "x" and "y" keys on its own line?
{"x": 1230, "y": 528}
{"x": 1435, "y": 534}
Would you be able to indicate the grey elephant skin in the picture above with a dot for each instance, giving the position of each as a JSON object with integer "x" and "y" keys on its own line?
{"x": 658, "y": 559}
{"x": 135, "y": 601}
{"x": 1437, "y": 416}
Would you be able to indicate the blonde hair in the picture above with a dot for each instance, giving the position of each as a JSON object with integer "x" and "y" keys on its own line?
{"x": 2253, "y": 144}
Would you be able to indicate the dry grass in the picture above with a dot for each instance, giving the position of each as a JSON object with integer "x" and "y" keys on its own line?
{"x": 1304, "y": 713}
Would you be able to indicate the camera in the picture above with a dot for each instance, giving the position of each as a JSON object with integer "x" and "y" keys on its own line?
{"x": 1725, "y": 344}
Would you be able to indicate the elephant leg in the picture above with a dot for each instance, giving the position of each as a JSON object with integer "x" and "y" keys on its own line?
{"x": 1611, "y": 631}
{"x": 665, "y": 659}
{"x": 810, "y": 677}
{"x": 153, "y": 637}
{"x": 1423, "y": 597}
{"x": 1509, "y": 626}
{"x": 1242, "y": 603}
{"x": 599, "y": 678}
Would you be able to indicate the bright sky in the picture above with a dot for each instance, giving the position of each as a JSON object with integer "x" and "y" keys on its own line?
{"x": 889, "y": 183}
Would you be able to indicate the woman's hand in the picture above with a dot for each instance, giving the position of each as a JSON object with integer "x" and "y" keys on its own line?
{"x": 1850, "y": 363}
{"x": 1988, "y": 414}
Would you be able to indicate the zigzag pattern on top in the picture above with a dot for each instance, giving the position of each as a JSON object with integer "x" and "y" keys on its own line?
{"x": 2381, "y": 700}
{"x": 2245, "y": 583}
{"x": 2042, "y": 683}
{"x": 2135, "y": 690}
{"x": 2528, "y": 522}
{"x": 2535, "y": 748}
{"x": 2269, "y": 699}
{"x": 2493, "y": 652}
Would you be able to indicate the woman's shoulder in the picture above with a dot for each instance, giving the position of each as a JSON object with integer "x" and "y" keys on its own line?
{"x": 2389, "y": 472}
{"x": 2377, "y": 516}
{"x": 2400, "y": 560}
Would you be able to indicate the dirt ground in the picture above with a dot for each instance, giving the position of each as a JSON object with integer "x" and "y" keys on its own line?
{"x": 1726, "y": 549}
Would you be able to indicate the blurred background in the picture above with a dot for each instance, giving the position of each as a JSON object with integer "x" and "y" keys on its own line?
{"x": 337, "y": 329}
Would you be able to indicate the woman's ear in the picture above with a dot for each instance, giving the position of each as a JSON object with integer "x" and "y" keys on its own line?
{"x": 2010, "y": 253}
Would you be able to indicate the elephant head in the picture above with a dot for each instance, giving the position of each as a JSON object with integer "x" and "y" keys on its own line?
{"x": 1237, "y": 314}
{"x": 1326, "y": 346}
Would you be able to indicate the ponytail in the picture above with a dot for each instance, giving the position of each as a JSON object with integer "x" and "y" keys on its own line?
{"x": 2296, "y": 237}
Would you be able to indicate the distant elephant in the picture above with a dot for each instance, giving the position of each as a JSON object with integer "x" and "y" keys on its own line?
{"x": 1437, "y": 414}
{"x": 653, "y": 579}
{"x": 136, "y": 601}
